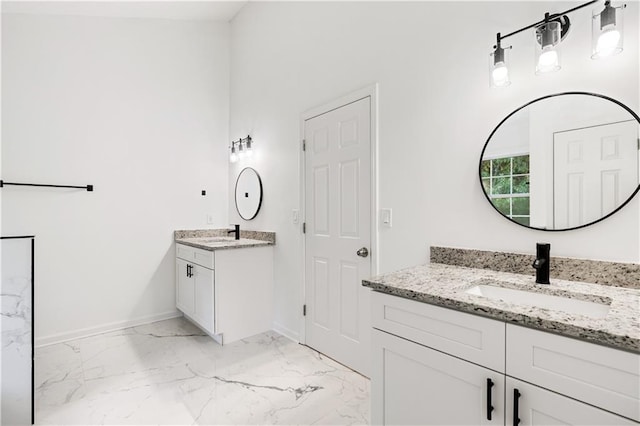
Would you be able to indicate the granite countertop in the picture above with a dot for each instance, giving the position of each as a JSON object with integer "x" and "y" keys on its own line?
{"x": 221, "y": 243}
{"x": 218, "y": 239}
{"x": 446, "y": 286}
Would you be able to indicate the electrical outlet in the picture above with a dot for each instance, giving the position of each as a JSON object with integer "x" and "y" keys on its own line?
{"x": 295, "y": 216}
{"x": 209, "y": 219}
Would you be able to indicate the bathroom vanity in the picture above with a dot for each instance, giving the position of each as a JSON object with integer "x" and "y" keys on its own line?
{"x": 223, "y": 285}
{"x": 458, "y": 345}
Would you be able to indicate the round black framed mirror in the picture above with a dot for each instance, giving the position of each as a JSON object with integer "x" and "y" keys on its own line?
{"x": 562, "y": 161}
{"x": 248, "y": 193}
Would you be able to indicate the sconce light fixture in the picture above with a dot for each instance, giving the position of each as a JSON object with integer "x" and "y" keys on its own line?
{"x": 241, "y": 148}
{"x": 549, "y": 32}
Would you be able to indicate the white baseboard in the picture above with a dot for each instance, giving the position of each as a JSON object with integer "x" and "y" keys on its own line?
{"x": 286, "y": 332}
{"x": 105, "y": 328}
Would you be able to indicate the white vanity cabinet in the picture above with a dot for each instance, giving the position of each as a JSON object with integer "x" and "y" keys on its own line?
{"x": 227, "y": 293}
{"x": 431, "y": 365}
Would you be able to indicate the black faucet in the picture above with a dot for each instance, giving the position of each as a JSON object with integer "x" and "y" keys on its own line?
{"x": 542, "y": 263}
{"x": 236, "y": 230}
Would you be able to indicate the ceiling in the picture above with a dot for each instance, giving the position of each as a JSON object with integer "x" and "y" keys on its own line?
{"x": 219, "y": 11}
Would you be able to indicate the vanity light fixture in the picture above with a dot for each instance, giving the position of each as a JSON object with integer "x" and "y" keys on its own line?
{"x": 241, "y": 148}
{"x": 549, "y": 32}
{"x": 606, "y": 30}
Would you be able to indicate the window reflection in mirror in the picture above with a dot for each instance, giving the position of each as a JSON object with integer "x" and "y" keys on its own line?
{"x": 506, "y": 180}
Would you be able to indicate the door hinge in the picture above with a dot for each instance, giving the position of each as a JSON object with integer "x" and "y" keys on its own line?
{"x": 304, "y": 227}
{"x": 638, "y": 144}
{"x": 304, "y": 144}
{"x": 304, "y": 310}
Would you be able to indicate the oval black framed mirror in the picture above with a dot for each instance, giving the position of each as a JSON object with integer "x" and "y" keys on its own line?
{"x": 562, "y": 161}
{"x": 248, "y": 193}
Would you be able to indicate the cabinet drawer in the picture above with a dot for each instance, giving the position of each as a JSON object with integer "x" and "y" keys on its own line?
{"x": 195, "y": 255}
{"x": 605, "y": 377}
{"x": 473, "y": 338}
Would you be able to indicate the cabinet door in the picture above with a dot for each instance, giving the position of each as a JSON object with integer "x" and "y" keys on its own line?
{"x": 204, "y": 301}
{"x": 412, "y": 384}
{"x": 540, "y": 407}
{"x": 184, "y": 288}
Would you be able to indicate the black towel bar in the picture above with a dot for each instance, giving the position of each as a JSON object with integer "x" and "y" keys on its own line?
{"x": 89, "y": 188}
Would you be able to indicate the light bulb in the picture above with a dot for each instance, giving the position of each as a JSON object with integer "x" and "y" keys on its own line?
{"x": 607, "y": 42}
{"x": 500, "y": 75}
{"x": 233, "y": 157}
{"x": 548, "y": 60}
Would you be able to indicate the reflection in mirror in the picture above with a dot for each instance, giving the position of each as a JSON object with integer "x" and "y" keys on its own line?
{"x": 562, "y": 161}
{"x": 248, "y": 193}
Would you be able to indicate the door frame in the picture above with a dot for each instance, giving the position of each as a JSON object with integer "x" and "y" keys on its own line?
{"x": 370, "y": 92}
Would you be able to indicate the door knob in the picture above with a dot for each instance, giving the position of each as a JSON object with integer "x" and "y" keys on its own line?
{"x": 363, "y": 252}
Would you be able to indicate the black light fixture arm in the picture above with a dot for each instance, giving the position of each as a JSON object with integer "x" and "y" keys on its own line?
{"x": 547, "y": 18}
{"x": 89, "y": 188}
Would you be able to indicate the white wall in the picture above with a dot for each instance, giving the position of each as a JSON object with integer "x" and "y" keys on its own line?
{"x": 136, "y": 107}
{"x": 435, "y": 112}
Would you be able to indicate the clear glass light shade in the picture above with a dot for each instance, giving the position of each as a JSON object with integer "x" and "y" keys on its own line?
{"x": 606, "y": 31}
{"x": 233, "y": 157}
{"x": 499, "y": 68}
{"x": 547, "y": 40}
{"x": 249, "y": 148}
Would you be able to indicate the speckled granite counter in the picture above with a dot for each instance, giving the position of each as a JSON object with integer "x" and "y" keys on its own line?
{"x": 218, "y": 239}
{"x": 446, "y": 286}
{"x": 564, "y": 268}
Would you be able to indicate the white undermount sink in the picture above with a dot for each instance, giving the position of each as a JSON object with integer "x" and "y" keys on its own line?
{"x": 209, "y": 240}
{"x": 541, "y": 300}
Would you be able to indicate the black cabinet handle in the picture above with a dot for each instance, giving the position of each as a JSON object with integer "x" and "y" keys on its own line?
{"x": 489, "y": 406}
{"x": 189, "y": 271}
{"x": 516, "y": 396}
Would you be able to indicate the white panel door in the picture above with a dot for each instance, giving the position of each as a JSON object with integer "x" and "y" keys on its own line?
{"x": 416, "y": 385}
{"x": 595, "y": 170}
{"x": 338, "y": 212}
{"x": 534, "y": 406}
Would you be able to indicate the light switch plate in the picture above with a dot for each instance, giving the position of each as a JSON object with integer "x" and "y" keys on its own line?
{"x": 295, "y": 216}
{"x": 209, "y": 219}
{"x": 386, "y": 218}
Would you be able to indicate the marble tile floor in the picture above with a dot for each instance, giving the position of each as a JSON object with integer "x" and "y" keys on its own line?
{"x": 169, "y": 372}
